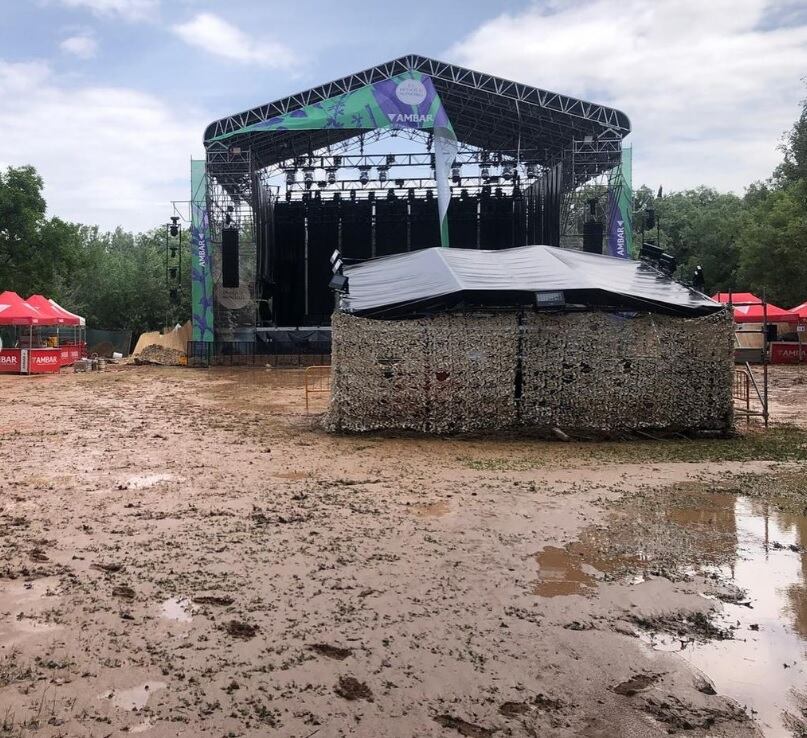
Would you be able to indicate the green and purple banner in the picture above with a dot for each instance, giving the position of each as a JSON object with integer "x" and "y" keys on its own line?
{"x": 407, "y": 100}
{"x": 620, "y": 203}
{"x": 201, "y": 268}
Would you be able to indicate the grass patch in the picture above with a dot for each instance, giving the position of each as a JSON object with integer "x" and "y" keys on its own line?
{"x": 783, "y": 443}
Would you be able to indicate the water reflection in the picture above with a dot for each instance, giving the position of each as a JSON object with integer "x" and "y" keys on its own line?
{"x": 745, "y": 541}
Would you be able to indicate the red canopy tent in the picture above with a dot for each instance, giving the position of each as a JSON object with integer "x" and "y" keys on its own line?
{"x": 748, "y": 308}
{"x": 53, "y": 317}
{"x": 15, "y": 311}
{"x": 63, "y": 311}
{"x": 45, "y": 354}
{"x": 800, "y": 311}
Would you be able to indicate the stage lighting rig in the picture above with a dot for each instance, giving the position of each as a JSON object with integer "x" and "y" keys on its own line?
{"x": 364, "y": 175}
{"x": 291, "y": 177}
{"x": 308, "y": 177}
{"x": 507, "y": 171}
{"x": 531, "y": 173}
{"x": 484, "y": 172}
{"x": 331, "y": 175}
{"x": 382, "y": 174}
{"x": 228, "y": 218}
{"x": 174, "y": 227}
{"x": 456, "y": 174}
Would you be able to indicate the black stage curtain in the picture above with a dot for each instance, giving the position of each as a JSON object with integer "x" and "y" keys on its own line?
{"x": 519, "y": 220}
{"x": 323, "y": 236}
{"x": 288, "y": 263}
{"x": 496, "y": 222}
{"x": 462, "y": 222}
{"x": 424, "y": 225}
{"x": 357, "y": 229}
{"x": 390, "y": 226}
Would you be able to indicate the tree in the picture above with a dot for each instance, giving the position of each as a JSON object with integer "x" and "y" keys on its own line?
{"x": 35, "y": 251}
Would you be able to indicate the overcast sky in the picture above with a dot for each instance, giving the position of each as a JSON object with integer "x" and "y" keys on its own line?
{"x": 109, "y": 98}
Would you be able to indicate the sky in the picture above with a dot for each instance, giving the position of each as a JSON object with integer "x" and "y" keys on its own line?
{"x": 109, "y": 99}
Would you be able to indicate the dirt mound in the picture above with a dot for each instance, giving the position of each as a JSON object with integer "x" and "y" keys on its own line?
{"x": 154, "y": 354}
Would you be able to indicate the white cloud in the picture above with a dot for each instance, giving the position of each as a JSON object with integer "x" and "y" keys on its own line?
{"x": 128, "y": 9}
{"x": 108, "y": 155}
{"x": 216, "y": 36}
{"x": 82, "y": 45}
{"x": 709, "y": 86}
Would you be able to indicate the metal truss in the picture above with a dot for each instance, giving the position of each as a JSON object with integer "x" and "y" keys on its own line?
{"x": 446, "y": 76}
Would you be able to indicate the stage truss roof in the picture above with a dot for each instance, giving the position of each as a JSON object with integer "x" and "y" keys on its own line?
{"x": 487, "y": 112}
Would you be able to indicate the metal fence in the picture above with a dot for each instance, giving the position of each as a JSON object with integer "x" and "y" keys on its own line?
{"x": 280, "y": 353}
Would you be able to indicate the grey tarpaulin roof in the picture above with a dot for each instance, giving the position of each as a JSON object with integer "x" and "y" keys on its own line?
{"x": 440, "y": 278}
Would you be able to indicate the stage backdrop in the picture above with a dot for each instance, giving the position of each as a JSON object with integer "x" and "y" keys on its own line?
{"x": 407, "y": 100}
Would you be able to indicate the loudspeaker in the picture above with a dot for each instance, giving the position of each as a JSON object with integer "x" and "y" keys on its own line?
{"x": 229, "y": 257}
{"x": 592, "y": 237}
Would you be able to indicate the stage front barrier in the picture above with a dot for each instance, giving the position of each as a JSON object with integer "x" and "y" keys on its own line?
{"x": 283, "y": 349}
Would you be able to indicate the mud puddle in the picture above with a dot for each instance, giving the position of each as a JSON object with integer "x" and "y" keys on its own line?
{"x": 740, "y": 543}
{"x": 134, "y": 698}
{"x": 144, "y": 481}
{"x": 177, "y": 608}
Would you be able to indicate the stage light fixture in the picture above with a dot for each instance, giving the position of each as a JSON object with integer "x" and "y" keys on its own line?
{"x": 308, "y": 177}
{"x": 339, "y": 283}
{"x": 456, "y": 174}
{"x": 364, "y": 175}
{"x": 228, "y": 218}
{"x": 390, "y": 159}
{"x": 337, "y": 161}
{"x": 173, "y": 271}
{"x": 399, "y": 183}
{"x": 173, "y": 252}
{"x": 484, "y": 172}
{"x": 174, "y": 228}
{"x": 291, "y": 177}
{"x": 331, "y": 176}
{"x": 322, "y": 183}
{"x": 650, "y": 217}
{"x": 288, "y": 196}
{"x": 531, "y": 174}
{"x": 668, "y": 264}
{"x": 382, "y": 174}
{"x": 507, "y": 171}
{"x": 650, "y": 252}
{"x": 174, "y": 294}
{"x": 698, "y": 280}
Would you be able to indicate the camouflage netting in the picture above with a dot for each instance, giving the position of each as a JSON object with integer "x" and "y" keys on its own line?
{"x": 586, "y": 372}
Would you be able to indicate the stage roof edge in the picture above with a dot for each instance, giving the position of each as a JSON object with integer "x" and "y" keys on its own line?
{"x": 548, "y": 119}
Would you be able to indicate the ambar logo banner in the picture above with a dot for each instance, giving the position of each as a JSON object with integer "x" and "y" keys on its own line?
{"x": 411, "y": 92}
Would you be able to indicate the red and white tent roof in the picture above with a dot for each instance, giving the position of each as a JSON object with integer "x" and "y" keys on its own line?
{"x": 15, "y": 311}
{"x": 748, "y": 308}
{"x": 62, "y": 311}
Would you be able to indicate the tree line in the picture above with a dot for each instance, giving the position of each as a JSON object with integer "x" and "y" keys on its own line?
{"x": 756, "y": 242}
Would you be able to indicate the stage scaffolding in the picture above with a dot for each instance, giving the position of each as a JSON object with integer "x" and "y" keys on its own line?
{"x": 524, "y": 154}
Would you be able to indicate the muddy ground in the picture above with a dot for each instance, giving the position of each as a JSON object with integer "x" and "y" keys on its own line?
{"x": 185, "y": 552}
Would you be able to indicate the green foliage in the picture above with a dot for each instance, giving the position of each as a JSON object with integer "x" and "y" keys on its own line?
{"x": 756, "y": 243}
{"x": 116, "y": 280}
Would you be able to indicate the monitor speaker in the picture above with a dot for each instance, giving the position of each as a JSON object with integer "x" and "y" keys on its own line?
{"x": 592, "y": 237}
{"x": 229, "y": 257}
